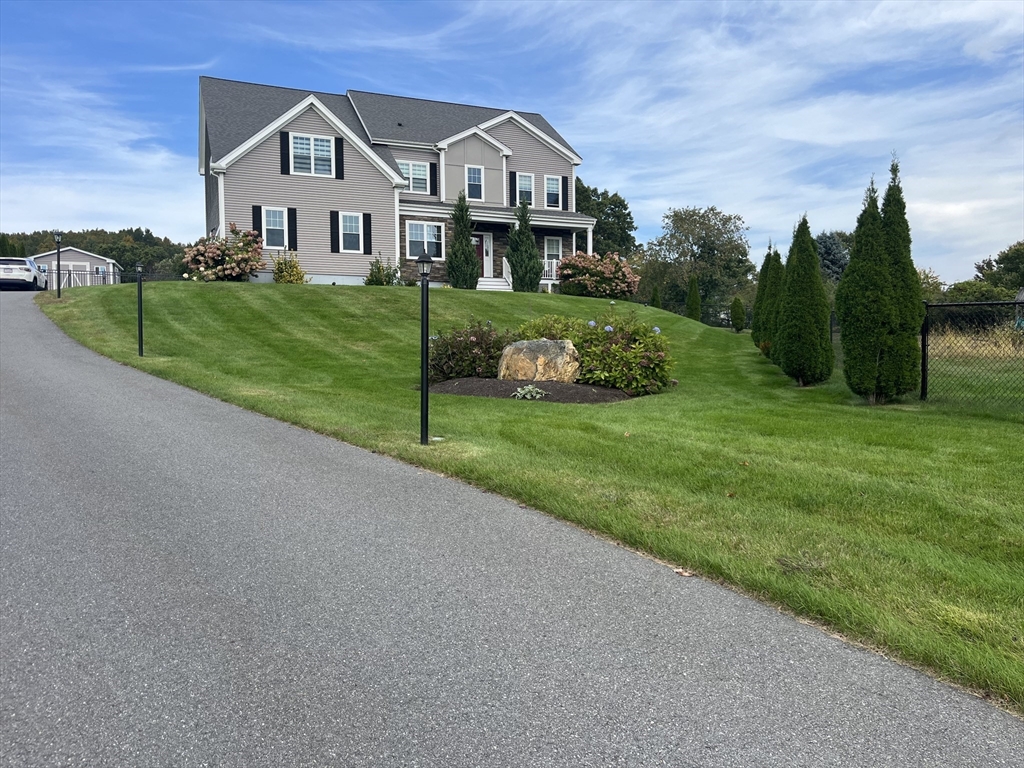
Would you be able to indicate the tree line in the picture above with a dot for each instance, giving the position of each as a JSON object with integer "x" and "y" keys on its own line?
{"x": 126, "y": 246}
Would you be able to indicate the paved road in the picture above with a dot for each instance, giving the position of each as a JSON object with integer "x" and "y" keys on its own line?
{"x": 185, "y": 583}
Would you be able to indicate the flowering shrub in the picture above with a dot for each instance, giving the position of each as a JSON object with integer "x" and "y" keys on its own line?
{"x": 471, "y": 351}
{"x": 608, "y": 276}
{"x": 232, "y": 258}
{"x": 287, "y": 270}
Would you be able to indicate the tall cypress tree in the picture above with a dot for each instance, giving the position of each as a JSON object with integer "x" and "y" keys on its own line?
{"x": 523, "y": 255}
{"x": 775, "y": 280}
{"x": 802, "y": 342}
{"x": 901, "y": 366}
{"x": 460, "y": 260}
{"x": 656, "y": 297}
{"x": 865, "y": 306}
{"x": 693, "y": 299}
{"x": 756, "y": 323}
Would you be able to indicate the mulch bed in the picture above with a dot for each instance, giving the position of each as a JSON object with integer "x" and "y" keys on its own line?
{"x": 557, "y": 391}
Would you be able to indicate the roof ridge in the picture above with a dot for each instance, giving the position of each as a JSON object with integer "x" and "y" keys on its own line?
{"x": 439, "y": 101}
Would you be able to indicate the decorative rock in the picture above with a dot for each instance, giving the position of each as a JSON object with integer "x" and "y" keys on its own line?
{"x": 540, "y": 360}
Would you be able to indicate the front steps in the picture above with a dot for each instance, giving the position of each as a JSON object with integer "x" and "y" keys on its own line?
{"x": 493, "y": 284}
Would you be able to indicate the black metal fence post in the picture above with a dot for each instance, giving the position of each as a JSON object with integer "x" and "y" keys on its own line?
{"x": 924, "y": 354}
{"x": 138, "y": 280}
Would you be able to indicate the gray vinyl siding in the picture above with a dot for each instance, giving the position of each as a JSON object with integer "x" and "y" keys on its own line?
{"x": 402, "y": 154}
{"x": 212, "y": 195}
{"x": 474, "y": 151}
{"x": 530, "y": 155}
{"x": 256, "y": 179}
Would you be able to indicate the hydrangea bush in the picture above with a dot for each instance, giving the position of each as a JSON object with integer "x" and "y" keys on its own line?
{"x": 471, "y": 351}
{"x": 235, "y": 257}
{"x": 604, "y": 277}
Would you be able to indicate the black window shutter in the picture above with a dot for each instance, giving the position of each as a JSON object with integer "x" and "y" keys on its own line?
{"x": 565, "y": 193}
{"x": 257, "y": 219}
{"x": 433, "y": 178}
{"x": 512, "y": 188}
{"x": 339, "y": 157}
{"x": 293, "y": 229}
{"x": 335, "y": 233}
{"x": 367, "y": 238}
{"x": 286, "y": 155}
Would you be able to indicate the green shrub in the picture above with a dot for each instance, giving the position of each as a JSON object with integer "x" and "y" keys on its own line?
{"x": 693, "y": 299}
{"x": 234, "y": 257}
{"x": 383, "y": 274}
{"x": 738, "y": 314}
{"x": 554, "y": 327}
{"x": 287, "y": 270}
{"x": 523, "y": 255}
{"x": 471, "y": 351}
{"x": 461, "y": 262}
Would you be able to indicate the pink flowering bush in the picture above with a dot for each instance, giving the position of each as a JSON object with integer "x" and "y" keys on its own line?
{"x": 471, "y": 351}
{"x": 232, "y": 258}
{"x": 604, "y": 277}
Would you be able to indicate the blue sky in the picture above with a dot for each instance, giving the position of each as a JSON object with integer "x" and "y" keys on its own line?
{"x": 767, "y": 110}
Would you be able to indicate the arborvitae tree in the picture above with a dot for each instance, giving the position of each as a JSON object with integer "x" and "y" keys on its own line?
{"x": 738, "y": 314}
{"x": 756, "y": 323}
{"x": 523, "y": 255}
{"x": 656, "y": 297}
{"x": 803, "y": 342}
{"x": 901, "y": 366}
{"x": 774, "y": 280}
{"x": 461, "y": 261}
{"x": 865, "y": 306}
{"x": 693, "y": 299}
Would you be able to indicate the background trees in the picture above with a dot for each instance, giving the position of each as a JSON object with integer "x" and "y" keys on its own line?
{"x": 613, "y": 232}
{"x": 127, "y": 246}
{"x": 1006, "y": 270}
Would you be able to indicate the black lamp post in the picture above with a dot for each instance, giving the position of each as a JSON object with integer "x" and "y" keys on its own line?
{"x": 423, "y": 264}
{"x": 56, "y": 238}
{"x": 138, "y": 281}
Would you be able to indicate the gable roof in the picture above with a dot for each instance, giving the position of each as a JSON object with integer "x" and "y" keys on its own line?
{"x": 68, "y": 248}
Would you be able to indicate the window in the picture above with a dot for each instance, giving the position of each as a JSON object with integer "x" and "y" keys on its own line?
{"x": 552, "y": 248}
{"x": 417, "y": 174}
{"x": 273, "y": 227}
{"x": 312, "y": 155}
{"x": 350, "y": 232}
{"x": 474, "y": 182}
{"x": 525, "y": 187}
{"x": 424, "y": 238}
{"x": 553, "y": 191}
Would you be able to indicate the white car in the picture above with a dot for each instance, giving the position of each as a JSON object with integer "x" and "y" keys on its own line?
{"x": 21, "y": 273}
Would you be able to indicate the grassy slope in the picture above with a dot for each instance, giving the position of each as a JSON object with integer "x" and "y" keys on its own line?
{"x": 901, "y": 526}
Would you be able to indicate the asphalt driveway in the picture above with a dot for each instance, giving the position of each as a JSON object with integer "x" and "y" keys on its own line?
{"x": 186, "y": 583}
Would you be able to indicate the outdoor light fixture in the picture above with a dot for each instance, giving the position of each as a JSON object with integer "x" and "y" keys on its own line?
{"x": 57, "y": 235}
{"x": 138, "y": 281}
{"x": 423, "y": 264}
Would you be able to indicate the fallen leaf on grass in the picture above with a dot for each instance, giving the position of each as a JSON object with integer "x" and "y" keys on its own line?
{"x": 731, "y": 494}
{"x": 683, "y": 572}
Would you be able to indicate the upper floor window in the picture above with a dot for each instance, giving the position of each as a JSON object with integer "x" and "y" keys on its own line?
{"x": 312, "y": 155}
{"x": 553, "y": 191}
{"x": 417, "y": 174}
{"x": 273, "y": 227}
{"x": 474, "y": 182}
{"x": 525, "y": 182}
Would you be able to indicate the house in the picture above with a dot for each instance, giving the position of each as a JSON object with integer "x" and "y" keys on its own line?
{"x": 78, "y": 267}
{"x": 343, "y": 179}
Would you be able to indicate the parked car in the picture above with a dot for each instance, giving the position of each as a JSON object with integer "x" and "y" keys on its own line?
{"x": 21, "y": 273}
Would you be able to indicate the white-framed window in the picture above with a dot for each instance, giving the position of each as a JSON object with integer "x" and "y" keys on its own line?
{"x": 474, "y": 182}
{"x": 424, "y": 237}
{"x": 312, "y": 155}
{"x": 418, "y": 175}
{"x": 524, "y": 182}
{"x": 552, "y": 248}
{"x": 351, "y": 232}
{"x": 552, "y": 191}
{"x": 274, "y": 227}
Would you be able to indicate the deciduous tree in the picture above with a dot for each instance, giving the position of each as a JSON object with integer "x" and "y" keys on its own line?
{"x": 613, "y": 232}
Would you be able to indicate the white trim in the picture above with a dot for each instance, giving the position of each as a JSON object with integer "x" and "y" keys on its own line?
{"x": 533, "y": 189}
{"x": 408, "y": 240}
{"x": 398, "y": 232}
{"x": 474, "y": 131}
{"x": 310, "y": 101}
{"x": 222, "y": 230}
{"x": 411, "y": 163}
{"x": 488, "y": 253}
{"x": 440, "y": 176}
{"x": 483, "y": 183}
{"x": 341, "y": 231}
{"x": 263, "y": 216}
{"x": 404, "y": 144}
{"x": 590, "y": 239}
{"x": 499, "y": 215}
{"x": 546, "y": 238}
{"x": 558, "y": 179}
{"x": 312, "y": 154}
{"x": 504, "y": 181}
{"x": 529, "y": 127}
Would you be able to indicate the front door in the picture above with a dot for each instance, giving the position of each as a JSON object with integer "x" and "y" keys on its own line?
{"x": 488, "y": 257}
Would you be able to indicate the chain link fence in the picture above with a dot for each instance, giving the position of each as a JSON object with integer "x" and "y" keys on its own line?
{"x": 973, "y": 351}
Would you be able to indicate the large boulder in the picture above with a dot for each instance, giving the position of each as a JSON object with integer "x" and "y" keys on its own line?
{"x": 540, "y": 360}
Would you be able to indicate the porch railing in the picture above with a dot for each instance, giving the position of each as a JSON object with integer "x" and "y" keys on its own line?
{"x": 550, "y": 269}
{"x": 506, "y": 271}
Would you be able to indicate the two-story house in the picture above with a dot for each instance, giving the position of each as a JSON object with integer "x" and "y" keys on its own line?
{"x": 342, "y": 179}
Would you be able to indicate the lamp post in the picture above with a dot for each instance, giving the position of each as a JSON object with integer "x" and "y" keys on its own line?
{"x": 138, "y": 281}
{"x": 56, "y": 238}
{"x": 423, "y": 264}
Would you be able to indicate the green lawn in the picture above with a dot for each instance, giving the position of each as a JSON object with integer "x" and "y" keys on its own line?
{"x": 900, "y": 526}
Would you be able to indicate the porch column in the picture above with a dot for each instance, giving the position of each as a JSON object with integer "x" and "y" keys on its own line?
{"x": 590, "y": 239}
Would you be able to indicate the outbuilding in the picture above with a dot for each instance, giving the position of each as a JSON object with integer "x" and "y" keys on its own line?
{"x": 78, "y": 268}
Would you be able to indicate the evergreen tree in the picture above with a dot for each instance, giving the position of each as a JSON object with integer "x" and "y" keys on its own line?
{"x": 6, "y": 250}
{"x": 656, "y": 297}
{"x": 865, "y": 305}
{"x": 461, "y": 262}
{"x": 774, "y": 281}
{"x": 523, "y": 255}
{"x": 756, "y": 323}
{"x": 833, "y": 254}
{"x": 803, "y": 342}
{"x": 693, "y": 299}
{"x": 901, "y": 366}
{"x": 738, "y": 314}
